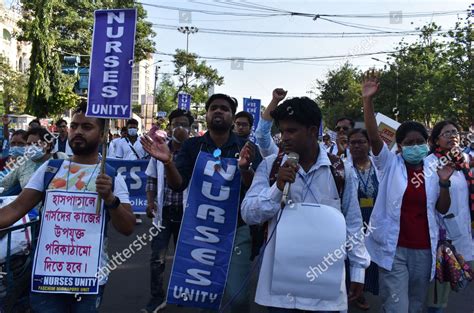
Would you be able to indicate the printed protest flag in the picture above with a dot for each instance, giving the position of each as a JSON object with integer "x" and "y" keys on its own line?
{"x": 184, "y": 101}
{"x": 252, "y": 106}
{"x": 110, "y": 79}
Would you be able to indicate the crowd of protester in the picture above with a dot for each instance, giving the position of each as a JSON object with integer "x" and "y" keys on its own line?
{"x": 407, "y": 198}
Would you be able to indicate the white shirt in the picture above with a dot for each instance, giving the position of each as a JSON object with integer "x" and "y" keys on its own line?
{"x": 87, "y": 173}
{"x": 123, "y": 150}
{"x": 156, "y": 169}
{"x": 459, "y": 193}
{"x": 383, "y": 240}
{"x": 262, "y": 203}
{"x": 332, "y": 148}
{"x": 68, "y": 147}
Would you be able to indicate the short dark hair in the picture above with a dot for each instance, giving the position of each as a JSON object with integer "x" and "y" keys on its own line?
{"x": 82, "y": 109}
{"x": 34, "y": 121}
{"x": 123, "y": 129}
{"x": 407, "y": 127}
{"x": 245, "y": 114}
{"x": 358, "y": 131}
{"x": 132, "y": 121}
{"x": 232, "y": 101}
{"x": 21, "y": 132}
{"x": 43, "y": 134}
{"x": 302, "y": 110}
{"x": 436, "y": 132}
{"x": 178, "y": 113}
{"x": 60, "y": 121}
{"x": 351, "y": 121}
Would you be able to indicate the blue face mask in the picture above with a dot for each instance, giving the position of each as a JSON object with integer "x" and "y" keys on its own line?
{"x": 35, "y": 153}
{"x": 132, "y": 132}
{"x": 415, "y": 154}
{"x": 16, "y": 151}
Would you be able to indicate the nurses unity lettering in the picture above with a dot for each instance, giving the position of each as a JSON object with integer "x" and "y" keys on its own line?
{"x": 115, "y": 30}
{"x": 204, "y": 255}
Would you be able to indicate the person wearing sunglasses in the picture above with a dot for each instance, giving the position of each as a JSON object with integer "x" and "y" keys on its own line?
{"x": 343, "y": 126}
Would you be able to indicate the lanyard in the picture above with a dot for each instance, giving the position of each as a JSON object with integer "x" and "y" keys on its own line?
{"x": 361, "y": 179}
{"x": 308, "y": 185}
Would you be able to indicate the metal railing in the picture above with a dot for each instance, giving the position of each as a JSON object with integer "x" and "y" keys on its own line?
{"x": 8, "y": 275}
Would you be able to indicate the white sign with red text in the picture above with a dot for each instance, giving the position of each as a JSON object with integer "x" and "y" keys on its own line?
{"x": 69, "y": 244}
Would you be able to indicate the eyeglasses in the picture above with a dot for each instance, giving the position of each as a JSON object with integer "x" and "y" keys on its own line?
{"x": 358, "y": 142}
{"x": 338, "y": 128}
{"x": 450, "y": 133}
{"x": 238, "y": 124}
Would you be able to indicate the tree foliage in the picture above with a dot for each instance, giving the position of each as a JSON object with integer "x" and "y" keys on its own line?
{"x": 340, "y": 94}
{"x": 57, "y": 28}
{"x": 200, "y": 76}
{"x": 429, "y": 80}
{"x": 13, "y": 86}
{"x": 166, "y": 95}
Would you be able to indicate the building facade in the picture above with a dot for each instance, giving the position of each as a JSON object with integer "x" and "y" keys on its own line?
{"x": 16, "y": 53}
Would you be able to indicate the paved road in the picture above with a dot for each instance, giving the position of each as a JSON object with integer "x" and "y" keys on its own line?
{"x": 128, "y": 287}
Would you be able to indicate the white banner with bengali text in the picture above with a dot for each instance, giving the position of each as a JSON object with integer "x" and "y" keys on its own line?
{"x": 69, "y": 244}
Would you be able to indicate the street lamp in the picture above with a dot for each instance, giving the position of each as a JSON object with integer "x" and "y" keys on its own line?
{"x": 187, "y": 30}
{"x": 395, "y": 109}
{"x": 157, "y": 67}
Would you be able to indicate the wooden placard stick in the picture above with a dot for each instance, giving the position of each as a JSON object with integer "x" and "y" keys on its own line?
{"x": 104, "y": 158}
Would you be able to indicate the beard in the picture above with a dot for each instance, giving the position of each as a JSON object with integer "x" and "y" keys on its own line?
{"x": 84, "y": 147}
{"x": 219, "y": 126}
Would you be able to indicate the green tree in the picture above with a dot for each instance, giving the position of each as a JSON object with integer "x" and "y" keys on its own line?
{"x": 13, "y": 86}
{"x": 200, "y": 76}
{"x": 166, "y": 95}
{"x": 416, "y": 80}
{"x": 47, "y": 86}
{"x": 59, "y": 27}
{"x": 460, "y": 74}
{"x": 339, "y": 94}
{"x": 73, "y": 23}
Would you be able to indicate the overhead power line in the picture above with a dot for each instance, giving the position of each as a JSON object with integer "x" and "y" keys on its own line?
{"x": 272, "y": 59}
{"x": 254, "y": 10}
{"x": 233, "y": 32}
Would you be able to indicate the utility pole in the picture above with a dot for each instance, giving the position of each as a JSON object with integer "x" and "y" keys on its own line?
{"x": 187, "y": 30}
{"x": 154, "y": 92}
{"x": 146, "y": 95}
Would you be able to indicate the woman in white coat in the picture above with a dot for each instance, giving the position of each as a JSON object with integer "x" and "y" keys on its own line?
{"x": 367, "y": 180}
{"x": 444, "y": 141}
{"x": 405, "y": 215}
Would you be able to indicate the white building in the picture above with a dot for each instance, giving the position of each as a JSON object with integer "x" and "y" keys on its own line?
{"x": 142, "y": 89}
{"x": 16, "y": 53}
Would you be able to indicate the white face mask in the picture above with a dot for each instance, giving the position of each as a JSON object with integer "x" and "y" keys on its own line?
{"x": 132, "y": 131}
{"x": 173, "y": 131}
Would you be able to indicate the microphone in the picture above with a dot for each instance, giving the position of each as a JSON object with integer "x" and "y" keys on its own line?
{"x": 293, "y": 158}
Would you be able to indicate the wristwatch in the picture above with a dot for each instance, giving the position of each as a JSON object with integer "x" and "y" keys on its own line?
{"x": 445, "y": 184}
{"x": 114, "y": 205}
